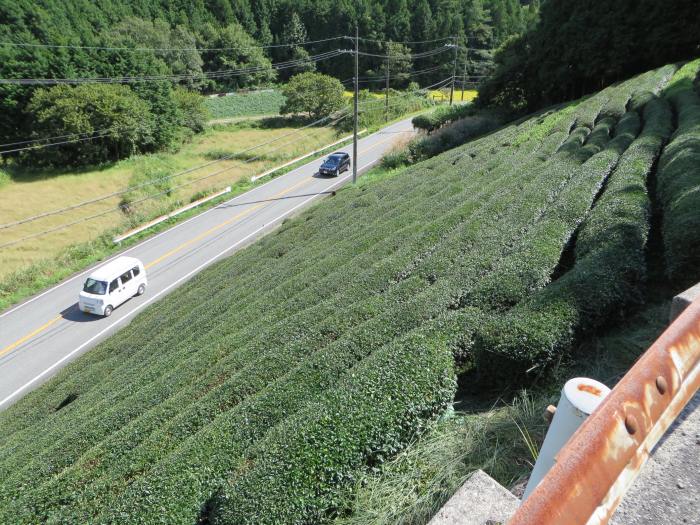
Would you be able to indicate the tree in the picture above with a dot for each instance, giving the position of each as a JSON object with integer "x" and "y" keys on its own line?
{"x": 120, "y": 122}
{"x": 399, "y": 63}
{"x": 235, "y": 49}
{"x": 176, "y": 47}
{"x": 193, "y": 113}
{"x": 294, "y": 32}
{"x": 317, "y": 94}
{"x": 398, "y": 20}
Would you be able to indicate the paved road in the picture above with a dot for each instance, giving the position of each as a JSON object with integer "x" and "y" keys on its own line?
{"x": 43, "y": 334}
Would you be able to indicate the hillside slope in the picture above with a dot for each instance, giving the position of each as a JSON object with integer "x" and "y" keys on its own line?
{"x": 259, "y": 390}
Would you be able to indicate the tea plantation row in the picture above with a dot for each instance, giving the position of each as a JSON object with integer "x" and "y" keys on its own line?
{"x": 325, "y": 347}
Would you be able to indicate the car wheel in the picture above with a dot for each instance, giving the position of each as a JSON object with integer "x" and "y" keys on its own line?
{"x": 141, "y": 290}
{"x": 337, "y": 172}
{"x": 108, "y": 310}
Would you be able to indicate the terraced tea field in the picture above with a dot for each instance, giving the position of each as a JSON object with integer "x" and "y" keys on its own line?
{"x": 260, "y": 390}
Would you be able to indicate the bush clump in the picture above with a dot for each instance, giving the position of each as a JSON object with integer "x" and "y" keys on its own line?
{"x": 679, "y": 188}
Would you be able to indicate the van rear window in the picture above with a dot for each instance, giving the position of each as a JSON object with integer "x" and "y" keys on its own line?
{"x": 135, "y": 270}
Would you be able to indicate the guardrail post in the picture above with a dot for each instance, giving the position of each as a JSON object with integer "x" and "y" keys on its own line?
{"x": 579, "y": 398}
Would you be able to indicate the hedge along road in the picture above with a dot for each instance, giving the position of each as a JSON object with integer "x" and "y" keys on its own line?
{"x": 40, "y": 336}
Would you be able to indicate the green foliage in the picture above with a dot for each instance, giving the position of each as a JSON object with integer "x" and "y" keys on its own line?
{"x": 679, "y": 182}
{"x": 301, "y": 465}
{"x": 265, "y": 387}
{"x": 441, "y": 115}
{"x": 193, "y": 113}
{"x": 451, "y": 135}
{"x": 414, "y": 486}
{"x": 230, "y": 47}
{"x": 609, "y": 267}
{"x": 315, "y": 94}
{"x": 560, "y": 58}
{"x": 121, "y": 122}
{"x": 264, "y": 102}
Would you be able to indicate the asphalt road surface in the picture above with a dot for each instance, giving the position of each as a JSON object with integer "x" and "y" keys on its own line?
{"x": 43, "y": 334}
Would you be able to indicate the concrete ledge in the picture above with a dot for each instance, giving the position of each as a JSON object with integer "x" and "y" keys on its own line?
{"x": 480, "y": 501}
{"x": 683, "y": 300}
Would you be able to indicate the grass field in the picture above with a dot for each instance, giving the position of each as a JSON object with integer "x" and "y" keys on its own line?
{"x": 443, "y": 95}
{"x": 41, "y": 192}
{"x": 264, "y": 102}
{"x": 266, "y": 387}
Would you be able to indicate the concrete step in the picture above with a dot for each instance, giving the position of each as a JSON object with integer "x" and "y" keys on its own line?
{"x": 480, "y": 501}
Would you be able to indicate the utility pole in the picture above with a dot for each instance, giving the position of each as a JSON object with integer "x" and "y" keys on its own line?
{"x": 354, "y": 122}
{"x": 454, "y": 72}
{"x": 386, "y": 91}
{"x": 464, "y": 73}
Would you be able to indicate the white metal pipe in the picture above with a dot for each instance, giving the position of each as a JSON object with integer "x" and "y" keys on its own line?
{"x": 579, "y": 398}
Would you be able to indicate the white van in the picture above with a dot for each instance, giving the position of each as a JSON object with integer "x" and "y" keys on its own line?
{"x": 111, "y": 285}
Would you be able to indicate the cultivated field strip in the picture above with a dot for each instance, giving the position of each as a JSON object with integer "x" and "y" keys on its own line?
{"x": 416, "y": 313}
{"x": 678, "y": 181}
{"x": 327, "y": 345}
{"x": 610, "y": 264}
{"x": 34, "y": 474}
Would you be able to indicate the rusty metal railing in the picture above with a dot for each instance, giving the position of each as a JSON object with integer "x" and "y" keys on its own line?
{"x": 601, "y": 460}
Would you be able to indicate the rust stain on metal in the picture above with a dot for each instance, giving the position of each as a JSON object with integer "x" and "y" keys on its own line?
{"x": 590, "y": 389}
{"x": 603, "y": 457}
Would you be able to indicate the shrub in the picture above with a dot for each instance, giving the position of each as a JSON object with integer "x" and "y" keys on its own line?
{"x": 120, "y": 122}
{"x": 441, "y": 115}
{"x": 679, "y": 188}
{"x": 304, "y": 467}
{"x": 317, "y": 94}
{"x": 610, "y": 264}
{"x": 451, "y": 136}
{"x": 193, "y": 112}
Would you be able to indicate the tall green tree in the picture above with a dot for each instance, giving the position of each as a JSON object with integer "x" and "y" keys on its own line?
{"x": 234, "y": 50}
{"x": 315, "y": 94}
{"x": 398, "y": 20}
{"x": 117, "y": 122}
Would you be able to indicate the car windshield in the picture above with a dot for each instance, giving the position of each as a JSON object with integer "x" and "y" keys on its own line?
{"x": 333, "y": 160}
{"x": 95, "y": 287}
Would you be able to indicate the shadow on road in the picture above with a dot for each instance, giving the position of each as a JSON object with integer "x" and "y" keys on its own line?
{"x": 287, "y": 197}
{"x": 73, "y": 313}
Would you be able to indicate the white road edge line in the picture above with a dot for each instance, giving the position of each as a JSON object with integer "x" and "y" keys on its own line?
{"x": 92, "y": 266}
{"x": 184, "y": 277}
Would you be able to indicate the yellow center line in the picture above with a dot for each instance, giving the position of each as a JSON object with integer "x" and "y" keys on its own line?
{"x": 226, "y": 222}
{"x": 28, "y": 336}
{"x": 182, "y": 246}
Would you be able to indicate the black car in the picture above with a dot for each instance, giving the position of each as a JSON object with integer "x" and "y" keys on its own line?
{"x": 337, "y": 163}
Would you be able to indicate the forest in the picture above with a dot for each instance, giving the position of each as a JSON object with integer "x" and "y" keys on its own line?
{"x": 190, "y": 46}
{"x": 597, "y": 43}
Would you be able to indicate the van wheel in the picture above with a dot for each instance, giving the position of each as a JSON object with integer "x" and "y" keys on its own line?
{"x": 108, "y": 310}
{"x": 141, "y": 290}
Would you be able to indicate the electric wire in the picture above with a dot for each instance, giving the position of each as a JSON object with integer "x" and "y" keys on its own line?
{"x": 155, "y": 181}
{"x": 138, "y": 201}
{"x": 107, "y": 48}
{"x": 190, "y": 76}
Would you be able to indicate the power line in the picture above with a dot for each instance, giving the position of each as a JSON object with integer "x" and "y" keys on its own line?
{"x": 148, "y": 197}
{"x": 107, "y": 48}
{"x": 405, "y": 41}
{"x": 412, "y": 56}
{"x": 97, "y": 134}
{"x": 191, "y": 76}
{"x": 154, "y": 181}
